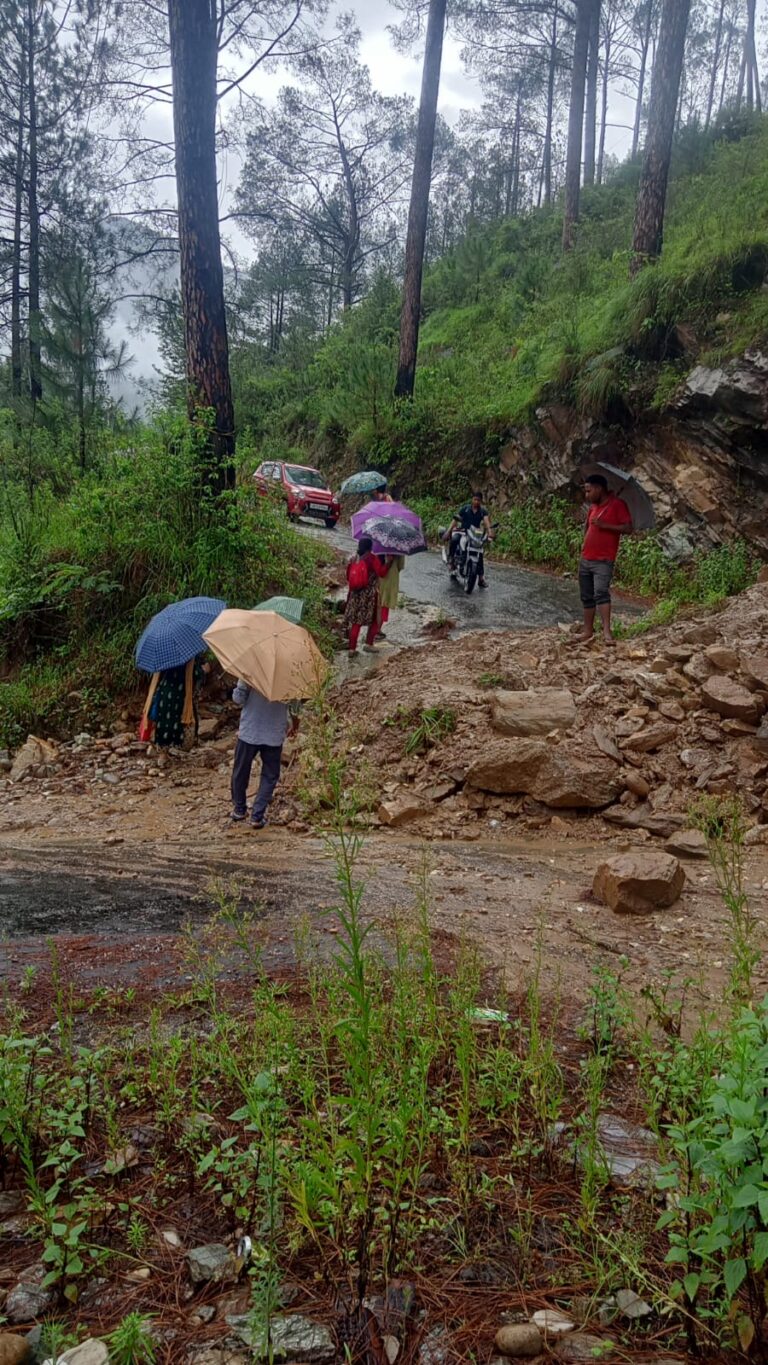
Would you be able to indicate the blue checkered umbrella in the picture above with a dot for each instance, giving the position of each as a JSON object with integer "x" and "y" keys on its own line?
{"x": 175, "y": 634}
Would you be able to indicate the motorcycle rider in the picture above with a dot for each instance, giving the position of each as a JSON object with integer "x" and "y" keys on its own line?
{"x": 473, "y": 513}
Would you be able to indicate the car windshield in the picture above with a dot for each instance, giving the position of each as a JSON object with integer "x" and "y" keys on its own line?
{"x": 308, "y": 478}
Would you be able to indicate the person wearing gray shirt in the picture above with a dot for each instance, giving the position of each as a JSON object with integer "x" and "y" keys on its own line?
{"x": 263, "y": 727}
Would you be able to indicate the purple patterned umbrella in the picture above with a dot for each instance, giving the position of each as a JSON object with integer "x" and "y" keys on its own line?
{"x": 398, "y": 510}
{"x": 392, "y": 536}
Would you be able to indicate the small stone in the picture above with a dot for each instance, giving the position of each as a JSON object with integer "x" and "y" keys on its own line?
{"x": 33, "y": 752}
{"x": 687, "y": 843}
{"x": 401, "y": 809}
{"x": 538, "y": 712}
{"x": 206, "y": 1312}
{"x": 14, "y": 1350}
{"x": 738, "y": 727}
{"x": 606, "y": 743}
{"x": 635, "y": 782}
{"x": 212, "y": 1262}
{"x": 171, "y": 1237}
{"x": 631, "y": 1306}
{"x": 391, "y": 1348}
{"x": 294, "y": 1337}
{"x": 650, "y": 738}
{"x": 29, "y": 1299}
{"x": 90, "y": 1352}
{"x": 215, "y": 1355}
{"x": 582, "y": 1346}
{"x": 520, "y": 1339}
{"x": 553, "y": 1323}
{"x": 139, "y": 1275}
{"x": 638, "y": 882}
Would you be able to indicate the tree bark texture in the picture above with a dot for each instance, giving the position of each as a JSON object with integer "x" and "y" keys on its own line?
{"x": 604, "y": 105}
{"x": 590, "y": 110}
{"x": 715, "y": 64}
{"x": 641, "y": 79}
{"x": 551, "y": 75}
{"x": 576, "y": 121}
{"x": 33, "y": 211}
{"x": 665, "y": 88}
{"x": 18, "y": 202}
{"x": 419, "y": 205}
{"x": 194, "y": 53}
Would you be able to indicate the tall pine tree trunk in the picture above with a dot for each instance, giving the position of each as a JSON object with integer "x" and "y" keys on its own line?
{"x": 726, "y": 70}
{"x": 18, "y": 201}
{"x": 576, "y": 121}
{"x": 551, "y": 75}
{"x": 33, "y": 212}
{"x": 419, "y": 205}
{"x": 604, "y": 106}
{"x": 590, "y": 112}
{"x": 715, "y": 64}
{"x": 652, "y": 191}
{"x": 645, "y": 49}
{"x": 194, "y": 53}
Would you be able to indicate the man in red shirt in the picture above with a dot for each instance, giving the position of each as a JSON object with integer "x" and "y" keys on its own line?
{"x": 608, "y": 518}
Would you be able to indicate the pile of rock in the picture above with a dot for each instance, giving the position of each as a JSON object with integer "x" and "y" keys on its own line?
{"x": 634, "y": 736}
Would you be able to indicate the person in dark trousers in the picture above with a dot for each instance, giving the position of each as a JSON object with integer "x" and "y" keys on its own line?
{"x": 471, "y": 514}
{"x": 263, "y": 728}
{"x": 608, "y": 518}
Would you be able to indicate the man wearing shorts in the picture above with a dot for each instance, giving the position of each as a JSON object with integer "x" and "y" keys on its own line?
{"x": 608, "y": 519}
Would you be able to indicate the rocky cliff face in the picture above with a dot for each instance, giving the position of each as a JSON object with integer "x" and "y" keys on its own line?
{"x": 704, "y": 461}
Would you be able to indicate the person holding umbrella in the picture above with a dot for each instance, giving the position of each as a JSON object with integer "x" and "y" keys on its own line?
{"x": 171, "y": 649}
{"x": 608, "y": 518}
{"x": 380, "y": 494}
{"x": 263, "y": 728}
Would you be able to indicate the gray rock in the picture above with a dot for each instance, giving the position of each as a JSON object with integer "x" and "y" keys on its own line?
{"x": 519, "y": 1339}
{"x": 212, "y": 1262}
{"x": 676, "y": 541}
{"x": 582, "y": 1346}
{"x": 90, "y": 1352}
{"x": 631, "y": 1306}
{"x": 292, "y": 1337}
{"x": 29, "y": 1299}
{"x": 434, "y": 1348}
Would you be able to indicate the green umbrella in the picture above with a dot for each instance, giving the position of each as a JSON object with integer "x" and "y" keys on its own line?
{"x": 289, "y": 607}
{"x": 364, "y": 482}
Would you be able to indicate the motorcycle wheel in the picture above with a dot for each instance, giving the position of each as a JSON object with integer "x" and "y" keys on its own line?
{"x": 471, "y": 578}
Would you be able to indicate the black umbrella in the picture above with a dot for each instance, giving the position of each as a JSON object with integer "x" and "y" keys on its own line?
{"x": 641, "y": 508}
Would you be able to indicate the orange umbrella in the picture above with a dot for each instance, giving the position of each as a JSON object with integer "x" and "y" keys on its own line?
{"x": 278, "y": 658}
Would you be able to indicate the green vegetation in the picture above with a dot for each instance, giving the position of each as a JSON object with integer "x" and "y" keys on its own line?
{"x": 343, "y": 1122}
{"x": 510, "y": 322}
{"x": 85, "y": 561}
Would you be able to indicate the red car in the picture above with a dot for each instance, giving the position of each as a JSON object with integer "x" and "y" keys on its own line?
{"x": 306, "y": 491}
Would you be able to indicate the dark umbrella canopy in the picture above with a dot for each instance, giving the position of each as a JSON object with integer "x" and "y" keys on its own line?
{"x": 391, "y": 536}
{"x": 364, "y": 482}
{"x": 640, "y": 506}
{"x": 175, "y": 634}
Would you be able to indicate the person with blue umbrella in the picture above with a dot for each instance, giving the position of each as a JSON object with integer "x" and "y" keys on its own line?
{"x": 172, "y": 649}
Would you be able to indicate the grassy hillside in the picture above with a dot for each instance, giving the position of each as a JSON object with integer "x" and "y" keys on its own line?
{"x": 509, "y": 323}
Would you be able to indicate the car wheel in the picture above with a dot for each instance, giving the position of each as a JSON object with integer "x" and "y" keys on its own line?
{"x": 331, "y": 522}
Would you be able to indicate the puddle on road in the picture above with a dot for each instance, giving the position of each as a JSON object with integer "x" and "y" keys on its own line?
{"x": 45, "y": 903}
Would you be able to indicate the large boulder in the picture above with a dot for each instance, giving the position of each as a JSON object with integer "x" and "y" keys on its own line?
{"x": 508, "y": 769}
{"x": 736, "y": 393}
{"x": 537, "y": 712}
{"x": 32, "y": 753}
{"x": 560, "y": 776}
{"x": 756, "y": 669}
{"x": 637, "y": 882}
{"x": 576, "y": 779}
{"x": 729, "y": 698}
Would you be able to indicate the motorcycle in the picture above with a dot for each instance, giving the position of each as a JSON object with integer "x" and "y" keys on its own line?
{"x": 464, "y": 553}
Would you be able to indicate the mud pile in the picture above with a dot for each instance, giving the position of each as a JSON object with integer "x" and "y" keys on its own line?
{"x": 537, "y": 729}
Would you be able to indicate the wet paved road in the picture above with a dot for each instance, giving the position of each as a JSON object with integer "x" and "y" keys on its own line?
{"x": 515, "y": 598}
